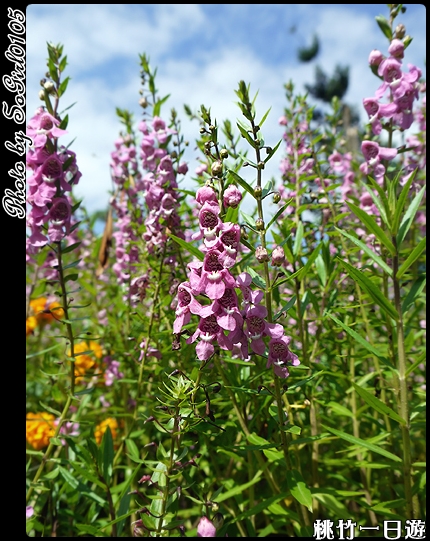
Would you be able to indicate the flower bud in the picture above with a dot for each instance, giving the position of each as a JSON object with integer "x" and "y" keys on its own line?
{"x": 41, "y": 95}
{"x": 261, "y": 254}
{"x": 259, "y": 224}
{"x": 258, "y": 192}
{"x": 216, "y": 169}
{"x": 224, "y": 153}
{"x": 232, "y": 196}
{"x": 397, "y": 48}
{"x": 49, "y": 86}
{"x": 243, "y": 233}
{"x": 260, "y": 165}
{"x": 218, "y": 520}
{"x": 278, "y": 256}
{"x": 276, "y": 197}
{"x": 211, "y": 127}
{"x": 400, "y": 31}
{"x": 143, "y": 102}
{"x": 375, "y": 57}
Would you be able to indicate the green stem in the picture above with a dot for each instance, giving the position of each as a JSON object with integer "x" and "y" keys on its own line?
{"x": 412, "y": 507}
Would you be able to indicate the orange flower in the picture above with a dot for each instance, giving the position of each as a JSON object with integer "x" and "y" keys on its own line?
{"x": 101, "y": 429}
{"x": 84, "y": 362}
{"x": 30, "y": 325}
{"x": 39, "y": 428}
{"x": 40, "y": 313}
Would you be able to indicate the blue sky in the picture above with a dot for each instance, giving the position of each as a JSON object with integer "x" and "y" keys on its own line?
{"x": 201, "y": 52}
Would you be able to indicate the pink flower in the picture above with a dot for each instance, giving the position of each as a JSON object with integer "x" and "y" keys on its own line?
{"x": 214, "y": 277}
{"x": 187, "y": 305}
{"x": 30, "y": 512}
{"x": 205, "y": 528}
{"x": 373, "y": 153}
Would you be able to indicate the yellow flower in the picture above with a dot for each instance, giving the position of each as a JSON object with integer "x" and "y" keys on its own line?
{"x": 39, "y": 428}
{"x": 101, "y": 429}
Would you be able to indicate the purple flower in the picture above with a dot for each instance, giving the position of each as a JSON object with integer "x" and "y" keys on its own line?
{"x": 209, "y": 331}
{"x": 279, "y": 355}
{"x": 30, "y": 512}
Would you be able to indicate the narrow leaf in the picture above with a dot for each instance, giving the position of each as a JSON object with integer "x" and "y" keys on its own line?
{"x": 373, "y": 227}
{"x": 298, "y": 239}
{"x": 414, "y": 293}
{"x": 371, "y": 289}
{"x": 368, "y": 251}
{"x": 188, "y": 247}
{"x": 242, "y": 182}
{"x": 363, "y": 443}
{"x": 413, "y": 256}
{"x": 409, "y": 217}
{"x": 364, "y": 343}
{"x": 401, "y": 202}
{"x": 377, "y": 404}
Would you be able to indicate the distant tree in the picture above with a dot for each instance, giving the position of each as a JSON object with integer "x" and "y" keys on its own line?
{"x": 326, "y": 88}
{"x": 306, "y": 54}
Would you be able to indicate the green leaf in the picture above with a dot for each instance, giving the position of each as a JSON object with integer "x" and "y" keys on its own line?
{"x": 71, "y": 277}
{"x": 68, "y": 249}
{"x": 285, "y": 308}
{"x": 69, "y": 478}
{"x": 373, "y": 227}
{"x": 413, "y": 256}
{"x": 248, "y": 219}
{"x": 264, "y": 117}
{"x": 409, "y": 217}
{"x": 298, "y": 488}
{"x": 256, "y": 278}
{"x": 368, "y": 251}
{"x": 400, "y": 204}
{"x": 364, "y": 343}
{"x": 188, "y": 247}
{"x": 321, "y": 270}
{"x": 241, "y": 182}
{"x": 332, "y": 503}
{"x": 413, "y": 294}
{"x": 254, "y": 510}
{"x": 246, "y": 135}
{"x": 238, "y": 489}
{"x": 371, "y": 289}
{"x": 298, "y": 240}
{"x": 377, "y": 404}
{"x": 107, "y": 453}
{"x": 379, "y": 205}
{"x": 384, "y": 25}
{"x": 274, "y": 149}
{"x": 363, "y": 443}
{"x": 132, "y": 448}
{"x": 340, "y": 410}
{"x": 51, "y": 410}
{"x": 47, "y": 350}
{"x": 276, "y": 216}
